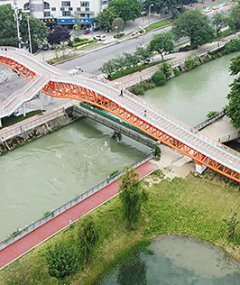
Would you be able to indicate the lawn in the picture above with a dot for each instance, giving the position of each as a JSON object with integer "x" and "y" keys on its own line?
{"x": 194, "y": 206}
{"x": 159, "y": 24}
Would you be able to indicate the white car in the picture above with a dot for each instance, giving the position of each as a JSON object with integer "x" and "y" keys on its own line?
{"x": 207, "y": 10}
{"x": 99, "y": 37}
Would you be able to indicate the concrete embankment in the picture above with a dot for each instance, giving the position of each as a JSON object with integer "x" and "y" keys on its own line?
{"x": 35, "y": 127}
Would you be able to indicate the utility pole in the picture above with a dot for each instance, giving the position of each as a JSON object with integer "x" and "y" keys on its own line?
{"x": 149, "y": 12}
{"x": 29, "y": 35}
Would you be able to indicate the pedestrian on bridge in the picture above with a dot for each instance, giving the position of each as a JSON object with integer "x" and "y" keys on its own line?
{"x": 121, "y": 93}
{"x": 145, "y": 113}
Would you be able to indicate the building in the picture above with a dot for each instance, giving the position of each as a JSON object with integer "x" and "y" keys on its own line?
{"x": 65, "y": 12}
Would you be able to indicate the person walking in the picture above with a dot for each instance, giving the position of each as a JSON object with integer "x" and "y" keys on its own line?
{"x": 121, "y": 93}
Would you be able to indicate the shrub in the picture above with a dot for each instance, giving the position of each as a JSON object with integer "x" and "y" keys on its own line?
{"x": 117, "y": 36}
{"x": 79, "y": 42}
{"x": 191, "y": 62}
{"x": 159, "y": 78}
{"x": 166, "y": 68}
{"x": 139, "y": 89}
{"x": 212, "y": 114}
{"x": 176, "y": 71}
{"x": 232, "y": 46}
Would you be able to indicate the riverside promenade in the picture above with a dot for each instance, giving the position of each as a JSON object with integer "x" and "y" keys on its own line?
{"x": 65, "y": 219}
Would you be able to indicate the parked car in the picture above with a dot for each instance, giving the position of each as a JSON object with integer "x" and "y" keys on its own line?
{"x": 86, "y": 32}
{"x": 99, "y": 37}
{"x": 45, "y": 47}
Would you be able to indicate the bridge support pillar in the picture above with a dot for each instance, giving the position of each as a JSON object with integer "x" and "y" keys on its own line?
{"x": 24, "y": 110}
{"x": 0, "y": 123}
{"x": 200, "y": 168}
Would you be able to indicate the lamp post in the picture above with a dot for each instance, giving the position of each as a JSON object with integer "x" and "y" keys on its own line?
{"x": 16, "y": 18}
{"x": 149, "y": 11}
{"x": 29, "y": 35}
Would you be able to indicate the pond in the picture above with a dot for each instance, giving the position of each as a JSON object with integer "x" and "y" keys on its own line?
{"x": 176, "y": 261}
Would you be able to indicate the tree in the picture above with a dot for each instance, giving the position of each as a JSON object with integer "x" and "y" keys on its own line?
{"x": 142, "y": 53}
{"x": 159, "y": 78}
{"x": 106, "y": 17}
{"x": 162, "y": 43}
{"x": 234, "y": 17}
{"x": 8, "y": 31}
{"x": 166, "y": 68}
{"x": 88, "y": 237}
{"x": 233, "y": 107}
{"x": 127, "y": 10}
{"x": 109, "y": 67}
{"x": 196, "y": 26}
{"x": 39, "y": 31}
{"x": 58, "y": 35}
{"x": 132, "y": 197}
{"x": 218, "y": 21}
{"x": 63, "y": 260}
{"x": 118, "y": 25}
{"x": 130, "y": 59}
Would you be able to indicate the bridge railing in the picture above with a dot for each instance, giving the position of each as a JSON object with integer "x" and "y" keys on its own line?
{"x": 19, "y": 234}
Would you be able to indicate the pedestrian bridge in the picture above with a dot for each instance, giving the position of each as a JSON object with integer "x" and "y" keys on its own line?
{"x": 129, "y": 108}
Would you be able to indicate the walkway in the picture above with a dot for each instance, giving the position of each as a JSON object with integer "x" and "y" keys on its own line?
{"x": 129, "y": 108}
{"x": 57, "y": 224}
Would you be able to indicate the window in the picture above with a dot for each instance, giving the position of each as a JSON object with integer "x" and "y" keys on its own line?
{"x": 78, "y": 9}
{"x": 66, "y": 13}
{"x": 86, "y": 9}
{"x": 70, "y": 9}
{"x": 46, "y": 14}
{"x": 26, "y": 6}
{"x": 46, "y": 5}
{"x": 62, "y": 8}
{"x": 82, "y": 15}
{"x": 84, "y": 3}
{"x": 54, "y": 9}
{"x": 66, "y": 3}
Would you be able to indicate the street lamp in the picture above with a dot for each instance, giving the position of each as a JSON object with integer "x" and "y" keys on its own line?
{"x": 29, "y": 35}
{"x": 149, "y": 11}
{"x": 16, "y": 18}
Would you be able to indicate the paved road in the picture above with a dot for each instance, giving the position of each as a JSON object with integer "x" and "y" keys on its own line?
{"x": 93, "y": 61}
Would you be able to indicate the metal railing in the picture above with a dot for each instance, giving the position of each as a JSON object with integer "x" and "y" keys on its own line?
{"x": 6, "y": 133}
{"x": 208, "y": 122}
{"x": 68, "y": 205}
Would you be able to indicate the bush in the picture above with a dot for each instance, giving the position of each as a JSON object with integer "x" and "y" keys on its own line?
{"x": 176, "y": 71}
{"x": 139, "y": 89}
{"x": 159, "y": 78}
{"x": 191, "y": 62}
{"x": 232, "y": 46}
{"x": 166, "y": 68}
{"x": 79, "y": 42}
{"x": 117, "y": 36}
{"x": 212, "y": 114}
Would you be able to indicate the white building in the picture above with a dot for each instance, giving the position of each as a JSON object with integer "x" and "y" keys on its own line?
{"x": 62, "y": 12}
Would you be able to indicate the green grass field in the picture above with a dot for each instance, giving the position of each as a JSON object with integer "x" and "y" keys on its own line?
{"x": 194, "y": 206}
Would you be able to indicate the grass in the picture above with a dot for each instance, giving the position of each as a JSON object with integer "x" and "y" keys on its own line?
{"x": 159, "y": 24}
{"x": 192, "y": 206}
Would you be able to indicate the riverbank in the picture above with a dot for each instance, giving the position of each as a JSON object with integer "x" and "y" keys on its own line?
{"x": 177, "y": 206}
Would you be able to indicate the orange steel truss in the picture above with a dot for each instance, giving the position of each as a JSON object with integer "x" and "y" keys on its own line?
{"x": 68, "y": 90}
{"x": 21, "y": 69}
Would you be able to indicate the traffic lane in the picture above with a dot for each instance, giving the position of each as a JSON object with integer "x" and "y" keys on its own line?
{"x": 92, "y": 62}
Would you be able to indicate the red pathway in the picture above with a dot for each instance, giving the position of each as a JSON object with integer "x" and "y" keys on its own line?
{"x": 34, "y": 238}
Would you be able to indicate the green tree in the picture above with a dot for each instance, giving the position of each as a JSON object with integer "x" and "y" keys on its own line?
{"x": 233, "y": 107}
{"x": 110, "y": 67}
{"x": 127, "y": 10}
{"x": 8, "y": 31}
{"x": 130, "y": 59}
{"x": 166, "y": 68}
{"x": 62, "y": 260}
{"x": 234, "y": 17}
{"x": 118, "y": 25}
{"x": 219, "y": 21}
{"x": 162, "y": 43}
{"x": 39, "y": 31}
{"x": 132, "y": 197}
{"x": 159, "y": 78}
{"x": 88, "y": 237}
{"x": 142, "y": 53}
{"x": 195, "y": 25}
{"x": 106, "y": 18}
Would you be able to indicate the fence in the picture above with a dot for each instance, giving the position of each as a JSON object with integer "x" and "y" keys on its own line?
{"x": 69, "y": 204}
{"x": 6, "y": 134}
{"x": 210, "y": 121}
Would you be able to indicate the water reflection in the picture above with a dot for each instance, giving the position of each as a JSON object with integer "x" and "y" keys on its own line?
{"x": 177, "y": 261}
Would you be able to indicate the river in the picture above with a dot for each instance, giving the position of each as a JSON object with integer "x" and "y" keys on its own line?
{"x": 50, "y": 171}
{"x": 192, "y": 95}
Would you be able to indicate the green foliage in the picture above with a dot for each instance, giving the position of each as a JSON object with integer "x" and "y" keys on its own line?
{"x": 191, "y": 62}
{"x": 118, "y": 36}
{"x": 159, "y": 78}
{"x": 113, "y": 173}
{"x": 109, "y": 67}
{"x": 176, "y": 71}
{"x": 212, "y": 114}
{"x": 219, "y": 21}
{"x": 118, "y": 25}
{"x": 157, "y": 152}
{"x": 62, "y": 260}
{"x": 140, "y": 88}
{"x": 79, "y": 42}
{"x": 234, "y": 17}
{"x": 132, "y": 197}
{"x": 39, "y": 31}
{"x": 166, "y": 68}
{"x": 143, "y": 54}
{"x": 232, "y": 46}
{"x": 232, "y": 228}
{"x": 106, "y": 17}
{"x": 162, "y": 43}
{"x": 126, "y": 10}
{"x": 195, "y": 25}
{"x": 88, "y": 237}
{"x": 159, "y": 24}
{"x": 46, "y": 214}
{"x": 233, "y": 107}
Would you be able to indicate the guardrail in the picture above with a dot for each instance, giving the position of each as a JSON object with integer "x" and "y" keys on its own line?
{"x": 208, "y": 122}
{"x": 68, "y": 205}
{"x": 6, "y": 133}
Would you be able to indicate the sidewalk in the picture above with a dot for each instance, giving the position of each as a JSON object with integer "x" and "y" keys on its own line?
{"x": 62, "y": 221}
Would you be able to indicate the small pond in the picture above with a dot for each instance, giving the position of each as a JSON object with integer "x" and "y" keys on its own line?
{"x": 177, "y": 261}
